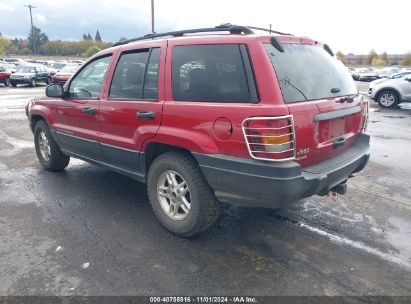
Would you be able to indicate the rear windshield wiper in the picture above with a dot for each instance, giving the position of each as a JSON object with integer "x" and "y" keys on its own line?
{"x": 288, "y": 81}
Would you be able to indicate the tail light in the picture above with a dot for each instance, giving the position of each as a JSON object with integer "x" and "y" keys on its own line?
{"x": 364, "y": 115}
{"x": 270, "y": 138}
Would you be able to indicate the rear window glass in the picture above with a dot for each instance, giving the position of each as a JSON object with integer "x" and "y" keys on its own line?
{"x": 212, "y": 73}
{"x": 307, "y": 72}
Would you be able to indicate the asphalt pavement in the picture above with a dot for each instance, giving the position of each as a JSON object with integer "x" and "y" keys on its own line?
{"x": 88, "y": 231}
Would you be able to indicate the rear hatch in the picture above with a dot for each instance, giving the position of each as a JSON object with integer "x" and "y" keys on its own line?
{"x": 328, "y": 112}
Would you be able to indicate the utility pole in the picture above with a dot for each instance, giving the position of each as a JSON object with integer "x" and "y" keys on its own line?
{"x": 152, "y": 17}
{"x": 33, "y": 40}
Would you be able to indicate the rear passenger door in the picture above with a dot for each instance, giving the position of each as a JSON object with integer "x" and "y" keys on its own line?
{"x": 131, "y": 113}
{"x": 210, "y": 91}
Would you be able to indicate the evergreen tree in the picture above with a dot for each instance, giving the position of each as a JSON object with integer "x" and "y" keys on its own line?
{"x": 89, "y": 37}
{"x": 98, "y": 37}
{"x": 85, "y": 37}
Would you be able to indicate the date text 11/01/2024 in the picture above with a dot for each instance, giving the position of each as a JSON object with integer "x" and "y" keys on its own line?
{"x": 240, "y": 299}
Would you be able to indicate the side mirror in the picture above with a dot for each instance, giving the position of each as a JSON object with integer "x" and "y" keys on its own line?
{"x": 55, "y": 90}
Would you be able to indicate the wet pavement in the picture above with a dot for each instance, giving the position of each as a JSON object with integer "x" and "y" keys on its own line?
{"x": 88, "y": 231}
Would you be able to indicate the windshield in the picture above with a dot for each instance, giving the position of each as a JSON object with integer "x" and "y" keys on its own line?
{"x": 307, "y": 72}
{"x": 57, "y": 65}
{"x": 26, "y": 69}
{"x": 69, "y": 69}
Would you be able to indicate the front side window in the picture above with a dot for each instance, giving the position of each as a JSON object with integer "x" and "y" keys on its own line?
{"x": 88, "y": 83}
{"x": 136, "y": 76}
{"x": 214, "y": 73}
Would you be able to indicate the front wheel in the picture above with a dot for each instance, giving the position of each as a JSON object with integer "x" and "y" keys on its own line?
{"x": 13, "y": 84}
{"x": 7, "y": 82}
{"x": 33, "y": 83}
{"x": 388, "y": 99}
{"x": 180, "y": 196}
{"x": 48, "y": 80}
{"x": 48, "y": 151}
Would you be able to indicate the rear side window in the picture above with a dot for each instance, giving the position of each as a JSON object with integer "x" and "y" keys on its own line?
{"x": 307, "y": 72}
{"x": 136, "y": 76}
{"x": 214, "y": 73}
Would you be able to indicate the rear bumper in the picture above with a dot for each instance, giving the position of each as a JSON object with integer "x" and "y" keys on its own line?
{"x": 249, "y": 182}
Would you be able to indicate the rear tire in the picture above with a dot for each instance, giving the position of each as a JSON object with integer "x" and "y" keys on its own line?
{"x": 197, "y": 210}
{"x": 48, "y": 151}
{"x": 7, "y": 82}
{"x": 388, "y": 99}
{"x": 48, "y": 81}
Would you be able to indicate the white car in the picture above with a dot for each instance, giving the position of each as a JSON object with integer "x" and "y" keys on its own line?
{"x": 389, "y": 92}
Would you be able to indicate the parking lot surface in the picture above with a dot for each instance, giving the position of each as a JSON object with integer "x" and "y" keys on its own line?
{"x": 88, "y": 231}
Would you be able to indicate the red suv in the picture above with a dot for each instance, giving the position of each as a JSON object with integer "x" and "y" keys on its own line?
{"x": 248, "y": 119}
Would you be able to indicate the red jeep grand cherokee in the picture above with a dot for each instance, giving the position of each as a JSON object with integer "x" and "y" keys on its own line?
{"x": 258, "y": 120}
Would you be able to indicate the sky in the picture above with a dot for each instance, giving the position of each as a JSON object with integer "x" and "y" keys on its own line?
{"x": 351, "y": 26}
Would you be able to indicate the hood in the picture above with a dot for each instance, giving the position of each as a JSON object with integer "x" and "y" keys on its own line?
{"x": 22, "y": 74}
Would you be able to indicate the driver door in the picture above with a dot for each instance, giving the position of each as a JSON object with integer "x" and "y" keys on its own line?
{"x": 77, "y": 116}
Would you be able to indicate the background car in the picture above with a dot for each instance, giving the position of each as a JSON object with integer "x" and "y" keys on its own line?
{"x": 366, "y": 74}
{"x": 392, "y": 91}
{"x": 5, "y": 76}
{"x": 55, "y": 67}
{"x": 30, "y": 74}
{"x": 65, "y": 73}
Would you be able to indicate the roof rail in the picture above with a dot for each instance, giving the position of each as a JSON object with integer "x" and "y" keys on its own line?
{"x": 233, "y": 29}
{"x": 268, "y": 30}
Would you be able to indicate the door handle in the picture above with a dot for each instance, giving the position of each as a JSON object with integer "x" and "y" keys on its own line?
{"x": 146, "y": 115}
{"x": 89, "y": 111}
{"x": 339, "y": 142}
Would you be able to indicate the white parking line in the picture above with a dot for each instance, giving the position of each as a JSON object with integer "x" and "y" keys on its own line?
{"x": 358, "y": 245}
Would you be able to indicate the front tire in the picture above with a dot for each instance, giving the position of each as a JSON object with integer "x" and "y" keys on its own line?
{"x": 48, "y": 81}
{"x": 180, "y": 196}
{"x": 7, "y": 82}
{"x": 33, "y": 83}
{"x": 388, "y": 99}
{"x": 13, "y": 84}
{"x": 48, "y": 151}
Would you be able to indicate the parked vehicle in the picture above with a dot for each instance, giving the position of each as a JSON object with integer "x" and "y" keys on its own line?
{"x": 30, "y": 74}
{"x": 392, "y": 91}
{"x": 55, "y": 67}
{"x": 366, "y": 74}
{"x": 15, "y": 61}
{"x": 65, "y": 73}
{"x": 5, "y": 76}
{"x": 247, "y": 119}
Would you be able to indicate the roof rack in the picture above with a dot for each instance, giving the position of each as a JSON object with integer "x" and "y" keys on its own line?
{"x": 227, "y": 27}
{"x": 268, "y": 30}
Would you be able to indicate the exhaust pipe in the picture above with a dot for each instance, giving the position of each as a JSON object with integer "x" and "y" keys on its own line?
{"x": 340, "y": 189}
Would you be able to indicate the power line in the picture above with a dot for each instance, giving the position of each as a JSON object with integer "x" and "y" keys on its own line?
{"x": 33, "y": 40}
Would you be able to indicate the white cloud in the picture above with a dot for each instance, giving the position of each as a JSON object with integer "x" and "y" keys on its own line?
{"x": 6, "y": 7}
{"x": 40, "y": 19}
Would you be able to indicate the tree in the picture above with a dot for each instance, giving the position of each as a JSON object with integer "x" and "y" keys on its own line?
{"x": 407, "y": 60}
{"x": 85, "y": 37}
{"x": 360, "y": 60}
{"x": 371, "y": 55}
{"x": 384, "y": 57}
{"x": 378, "y": 62}
{"x": 122, "y": 39}
{"x": 89, "y": 37}
{"x": 4, "y": 44}
{"x": 91, "y": 51}
{"x": 39, "y": 39}
{"x": 98, "y": 37}
{"x": 341, "y": 56}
